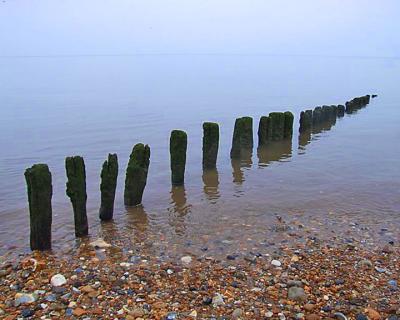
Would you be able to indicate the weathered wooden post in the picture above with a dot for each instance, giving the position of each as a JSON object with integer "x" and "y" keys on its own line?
{"x": 136, "y": 174}
{"x": 288, "y": 125}
{"x": 276, "y": 126}
{"x": 305, "y": 120}
{"x": 317, "y": 115}
{"x": 40, "y": 191}
{"x": 76, "y": 191}
{"x": 177, "y": 150}
{"x": 263, "y": 131}
{"x": 242, "y": 141}
{"x": 109, "y": 174}
{"x": 340, "y": 110}
{"x": 210, "y": 145}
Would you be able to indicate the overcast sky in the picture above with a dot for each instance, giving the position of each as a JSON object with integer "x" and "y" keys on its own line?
{"x": 321, "y": 27}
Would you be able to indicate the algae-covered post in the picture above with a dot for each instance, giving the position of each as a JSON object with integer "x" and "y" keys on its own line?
{"x": 288, "y": 125}
{"x": 177, "y": 150}
{"x": 210, "y": 144}
{"x": 109, "y": 174}
{"x": 305, "y": 120}
{"x": 40, "y": 191}
{"x": 263, "y": 131}
{"x": 276, "y": 126}
{"x": 76, "y": 191}
{"x": 136, "y": 174}
{"x": 242, "y": 140}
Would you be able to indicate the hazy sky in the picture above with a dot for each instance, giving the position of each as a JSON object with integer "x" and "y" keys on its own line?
{"x": 327, "y": 27}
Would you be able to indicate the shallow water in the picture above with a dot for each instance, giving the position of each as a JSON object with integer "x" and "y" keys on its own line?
{"x": 53, "y": 107}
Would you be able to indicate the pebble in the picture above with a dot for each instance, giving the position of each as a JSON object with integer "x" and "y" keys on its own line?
{"x": 218, "y": 300}
{"x": 361, "y": 316}
{"x": 340, "y": 316}
{"x": 58, "y": 280}
{"x": 186, "y": 259}
{"x": 269, "y": 314}
{"x": 24, "y": 298}
{"x": 27, "y": 313}
{"x": 193, "y": 314}
{"x": 392, "y": 283}
{"x": 237, "y": 313}
{"x": 171, "y": 316}
{"x": 296, "y": 293}
{"x": 100, "y": 244}
{"x": 276, "y": 263}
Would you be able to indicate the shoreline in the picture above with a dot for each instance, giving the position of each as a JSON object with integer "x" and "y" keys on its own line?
{"x": 325, "y": 280}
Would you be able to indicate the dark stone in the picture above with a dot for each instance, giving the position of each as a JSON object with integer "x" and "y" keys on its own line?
{"x": 26, "y": 313}
{"x": 136, "y": 174}
{"x": 288, "y": 125}
{"x": 177, "y": 150}
{"x": 210, "y": 145}
{"x": 361, "y": 316}
{"x": 242, "y": 141}
{"x": 207, "y": 300}
{"x": 40, "y": 191}
{"x": 109, "y": 174}
{"x": 76, "y": 191}
{"x": 306, "y": 120}
{"x": 374, "y": 95}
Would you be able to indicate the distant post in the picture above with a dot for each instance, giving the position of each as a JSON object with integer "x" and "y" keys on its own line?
{"x": 305, "y": 120}
{"x": 210, "y": 144}
{"x": 76, "y": 191}
{"x": 288, "y": 125}
{"x": 340, "y": 110}
{"x": 136, "y": 174}
{"x": 177, "y": 150}
{"x": 317, "y": 115}
{"x": 40, "y": 191}
{"x": 242, "y": 140}
{"x": 109, "y": 174}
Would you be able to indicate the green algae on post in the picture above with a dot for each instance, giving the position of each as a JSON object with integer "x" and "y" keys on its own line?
{"x": 109, "y": 174}
{"x": 136, "y": 174}
{"x": 263, "y": 131}
{"x": 76, "y": 191}
{"x": 276, "y": 126}
{"x": 177, "y": 150}
{"x": 288, "y": 125}
{"x": 242, "y": 140}
{"x": 317, "y": 115}
{"x": 40, "y": 191}
{"x": 210, "y": 144}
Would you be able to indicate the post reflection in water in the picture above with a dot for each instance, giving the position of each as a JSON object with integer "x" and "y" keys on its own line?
{"x": 178, "y": 209}
{"x": 324, "y": 126}
{"x": 211, "y": 182}
{"x": 237, "y": 164}
{"x": 274, "y": 151}
{"x": 304, "y": 139}
{"x": 138, "y": 218}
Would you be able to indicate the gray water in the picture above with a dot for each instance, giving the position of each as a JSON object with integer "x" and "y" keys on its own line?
{"x": 53, "y": 107}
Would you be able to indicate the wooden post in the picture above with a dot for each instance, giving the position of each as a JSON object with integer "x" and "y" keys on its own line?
{"x": 263, "y": 131}
{"x": 305, "y": 120}
{"x": 177, "y": 150}
{"x": 276, "y": 126}
{"x": 136, "y": 174}
{"x": 341, "y": 110}
{"x": 40, "y": 191}
{"x": 317, "y": 115}
{"x": 242, "y": 141}
{"x": 109, "y": 174}
{"x": 210, "y": 145}
{"x": 76, "y": 191}
{"x": 288, "y": 125}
